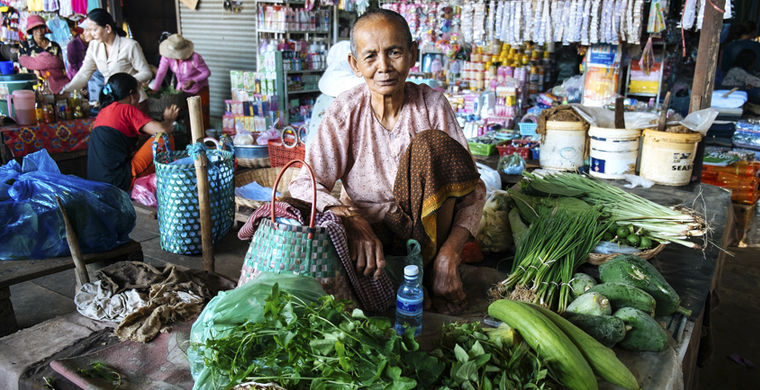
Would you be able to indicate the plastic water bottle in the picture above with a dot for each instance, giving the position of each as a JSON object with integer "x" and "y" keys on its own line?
{"x": 409, "y": 302}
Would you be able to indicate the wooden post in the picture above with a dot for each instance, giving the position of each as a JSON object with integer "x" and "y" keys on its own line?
{"x": 197, "y": 131}
{"x": 619, "y": 113}
{"x": 664, "y": 114}
{"x": 76, "y": 252}
{"x": 704, "y": 71}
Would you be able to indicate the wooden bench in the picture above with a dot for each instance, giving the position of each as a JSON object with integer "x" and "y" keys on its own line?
{"x": 17, "y": 271}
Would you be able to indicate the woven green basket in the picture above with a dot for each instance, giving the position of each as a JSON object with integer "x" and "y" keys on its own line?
{"x": 177, "y": 194}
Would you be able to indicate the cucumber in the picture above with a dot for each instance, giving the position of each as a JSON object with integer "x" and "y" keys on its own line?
{"x": 580, "y": 283}
{"x": 643, "y": 332}
{"x": 591, "y": 303}
{"x": 566, "y": 363}
{"x": 637, "y": 272}
{"x": 602, "y": 359}
{"x": 624, "y": 295}
{"x": 608, "y": 330}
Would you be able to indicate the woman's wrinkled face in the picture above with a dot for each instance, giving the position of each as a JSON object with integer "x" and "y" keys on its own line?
{"x": 97, "y": 32}
{"x": 86, "y": 36}
{"x": 383, "y": 57}
{"x": 39, "y": 33}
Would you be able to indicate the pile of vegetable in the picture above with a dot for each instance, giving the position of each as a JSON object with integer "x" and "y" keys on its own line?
{"x": 573, "y": 357}
{"x": 620, "y": 310}
{"x": 644, "y": 218}
{"x": 548, "y": 253}
{"x": 319, "y": 345}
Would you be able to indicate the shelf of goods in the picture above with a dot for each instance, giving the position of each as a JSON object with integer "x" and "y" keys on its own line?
{"x": 293, "y": 40}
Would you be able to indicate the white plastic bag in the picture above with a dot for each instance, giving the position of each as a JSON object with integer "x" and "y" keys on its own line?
{"x": 490, "y": 177}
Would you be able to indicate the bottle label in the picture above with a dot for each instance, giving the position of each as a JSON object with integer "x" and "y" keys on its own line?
{"x": 408, "y": 307}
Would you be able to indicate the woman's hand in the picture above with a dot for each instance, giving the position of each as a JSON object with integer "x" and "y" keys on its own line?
{"x": 363, "y": 245}
{"x": 171, "y": 113}
{"x": 447, "y": 284}
{"x": 188, "y": 84}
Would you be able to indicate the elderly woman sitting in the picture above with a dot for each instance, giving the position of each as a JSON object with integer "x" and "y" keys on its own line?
{"x": 402, "y": 159}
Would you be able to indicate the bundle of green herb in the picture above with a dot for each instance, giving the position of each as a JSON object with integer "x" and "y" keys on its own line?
{"x": 556, "y": 244}
{"x": 661, "y": 223}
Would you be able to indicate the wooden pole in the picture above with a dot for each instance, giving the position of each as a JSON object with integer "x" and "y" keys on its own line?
{"x": 664, "y": 113}
{"x": 619, "y": 113}
{"x": 201, "y": 171}
{"x": 704, "y": 71}
{"x": 76, "y": 252}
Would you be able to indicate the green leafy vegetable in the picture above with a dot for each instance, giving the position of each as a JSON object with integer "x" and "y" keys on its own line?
{"x": 480, "y": 361}
{"x": 320, "y": 345}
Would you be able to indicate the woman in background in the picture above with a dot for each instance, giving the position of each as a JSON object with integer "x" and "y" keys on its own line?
{"x": 110, "y": 52}
{"x": 178, "y": 54}
{"x": 37, "y": 42}
{"x": 110, "y": 157}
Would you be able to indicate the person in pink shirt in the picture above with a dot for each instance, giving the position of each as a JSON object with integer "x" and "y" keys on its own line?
{"x": 403, "y": 161}
{"x": 178, "y": 54}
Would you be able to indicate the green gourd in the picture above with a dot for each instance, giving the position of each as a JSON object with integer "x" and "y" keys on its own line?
{"x": 624, "y": 295}
{"x": 637, "y": 272}
{"x": 643, "y": 333}
{"x": 608, "y": 330}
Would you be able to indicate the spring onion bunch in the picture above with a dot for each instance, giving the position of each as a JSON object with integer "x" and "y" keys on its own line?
{"x": 661, "y": 223}
{"x": 546, "y": 258}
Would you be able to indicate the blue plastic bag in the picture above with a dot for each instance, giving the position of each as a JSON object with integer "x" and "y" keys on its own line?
{"x": 31, "y": 225}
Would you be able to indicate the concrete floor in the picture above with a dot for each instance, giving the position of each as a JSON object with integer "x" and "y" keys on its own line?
{"x": 734, "y": 320}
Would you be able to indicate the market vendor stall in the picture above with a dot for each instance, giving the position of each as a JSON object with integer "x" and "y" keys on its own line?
{"x": 691, "y": 272}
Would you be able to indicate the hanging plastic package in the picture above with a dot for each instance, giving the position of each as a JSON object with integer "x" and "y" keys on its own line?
{"x": 647, "y": 58}
{"x": 31, "y": 225}
{"x": 656, "y": 21}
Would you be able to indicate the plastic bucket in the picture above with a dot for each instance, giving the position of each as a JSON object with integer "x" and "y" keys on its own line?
{"x": 668, "y": 158}
{"x": 613, "y": 152}
{"x": 563, "y": 146}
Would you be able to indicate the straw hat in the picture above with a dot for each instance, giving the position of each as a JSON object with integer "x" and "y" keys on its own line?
{"x": 33, "y": 21}
{"x": 338, "y": 76}
{"x": 176, "y": 47}
{"x": 46, "y": 62}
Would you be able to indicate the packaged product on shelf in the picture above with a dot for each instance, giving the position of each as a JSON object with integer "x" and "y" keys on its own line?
{"x": 747, "y": 134}
{"x": 602, "y": 63}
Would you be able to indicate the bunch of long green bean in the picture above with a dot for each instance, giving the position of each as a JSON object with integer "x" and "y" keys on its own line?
{"x": 661, "y": 223}
{"x": 555, "y": 245}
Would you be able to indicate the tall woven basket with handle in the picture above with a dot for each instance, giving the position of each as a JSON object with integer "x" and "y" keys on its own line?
{"x": 177, "y": 195}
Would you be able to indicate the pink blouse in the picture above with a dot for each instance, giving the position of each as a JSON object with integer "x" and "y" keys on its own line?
{"x": 353, "y": 146}
{"x": 193, "y": 68}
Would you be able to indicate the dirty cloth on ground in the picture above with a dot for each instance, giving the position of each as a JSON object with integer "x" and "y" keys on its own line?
{"x": 145, "y": 299}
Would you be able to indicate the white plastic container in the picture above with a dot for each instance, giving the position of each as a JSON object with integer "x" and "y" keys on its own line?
{"x": 613, "y": 152}
{"x": 563, "y": 146}
{"x": 668, "y": 158}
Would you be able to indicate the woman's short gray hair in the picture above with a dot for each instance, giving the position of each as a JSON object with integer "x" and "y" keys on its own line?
{"x": 393, "y": 17}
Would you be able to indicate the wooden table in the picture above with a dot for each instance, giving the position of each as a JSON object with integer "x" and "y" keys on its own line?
{"x": 18, "y": 271}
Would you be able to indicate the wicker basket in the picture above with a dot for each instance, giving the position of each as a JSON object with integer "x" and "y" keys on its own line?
{"x": 253, "y": 162}
{"x": 177, "y": 195}
{"x": 279, "y": 154}
{"x": 598, "y": 258}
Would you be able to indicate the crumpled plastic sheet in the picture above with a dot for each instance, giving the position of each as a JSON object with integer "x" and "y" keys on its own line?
{"x": 31, "y": 225}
